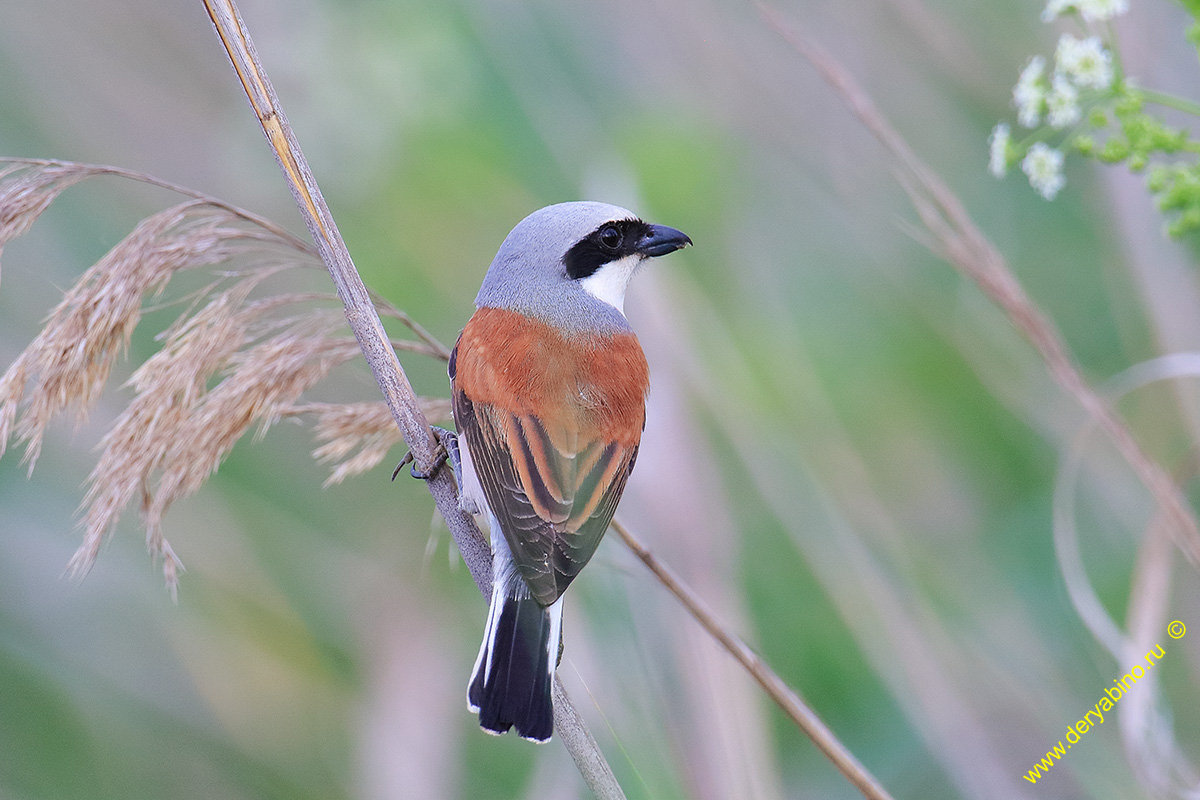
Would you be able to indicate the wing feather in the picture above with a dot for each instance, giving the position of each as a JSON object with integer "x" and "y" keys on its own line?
{"x": 553, "y": 506}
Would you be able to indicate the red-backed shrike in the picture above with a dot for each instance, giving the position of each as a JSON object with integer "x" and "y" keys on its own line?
{"x": 549, "y": 391}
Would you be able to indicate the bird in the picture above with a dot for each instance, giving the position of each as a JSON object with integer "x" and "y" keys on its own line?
{"x": 548, "y": 394}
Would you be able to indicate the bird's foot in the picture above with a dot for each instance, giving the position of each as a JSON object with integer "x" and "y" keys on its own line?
{"x": 447, "y": 450}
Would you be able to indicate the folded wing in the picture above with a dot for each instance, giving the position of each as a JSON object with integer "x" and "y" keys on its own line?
{"x": 554, "y": 493}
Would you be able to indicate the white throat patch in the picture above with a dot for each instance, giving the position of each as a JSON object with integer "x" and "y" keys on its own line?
{"x": 608, "y": 283}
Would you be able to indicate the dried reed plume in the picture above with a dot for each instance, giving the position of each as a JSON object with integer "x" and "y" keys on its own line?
{"x": 231, "y": 360}
{"x": 25, "y": 193}
{"x": 358, "y": 436}
{"x": 70, "y": 360}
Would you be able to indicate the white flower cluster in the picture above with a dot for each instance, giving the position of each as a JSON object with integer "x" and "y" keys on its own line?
{"x": 1090, "y": 10}
{"x": 1085, "y": 61}
{"x": 1029, "y": 95}
{"x": 1079, "y": 64}
{"x": 1043, "y": 165}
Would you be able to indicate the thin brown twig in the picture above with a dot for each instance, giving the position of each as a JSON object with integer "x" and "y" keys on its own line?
{"x": 386, "y": 308}
{"x": 374, "y": 342}
{"x": 784, "y": 696}
{"x": 961, "y": 242}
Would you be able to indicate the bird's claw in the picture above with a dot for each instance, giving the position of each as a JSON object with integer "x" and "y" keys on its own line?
{"x": 439, "y": 458}
{"x": 447, "y": 450}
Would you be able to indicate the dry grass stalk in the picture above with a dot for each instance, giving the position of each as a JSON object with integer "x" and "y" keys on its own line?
{"x": 360, "y": 309}
{"x": 358, "y": 436}
{"x": 71, "y": 172}
{"x": 386, "y": 309}
{"x": 960, "y": 241}
{"x": 776, "y": 688}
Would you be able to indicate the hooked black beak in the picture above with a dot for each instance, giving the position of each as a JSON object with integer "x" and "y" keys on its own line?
{"x": 660, "y": 240}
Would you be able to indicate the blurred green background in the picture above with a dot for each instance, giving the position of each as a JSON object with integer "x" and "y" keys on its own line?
{"x": 850, "y": 453}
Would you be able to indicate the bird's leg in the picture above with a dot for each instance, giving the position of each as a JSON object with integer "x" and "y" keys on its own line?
{"x": 447, "y": 450}
{"x": 449, "y": 443}
{"x": 449, "y": 440}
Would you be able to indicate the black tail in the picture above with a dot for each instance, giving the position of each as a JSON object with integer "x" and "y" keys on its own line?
{"x": 511, "y": 684}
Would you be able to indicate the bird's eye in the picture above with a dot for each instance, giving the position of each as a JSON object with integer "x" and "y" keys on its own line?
{"x": 610, "y": 238}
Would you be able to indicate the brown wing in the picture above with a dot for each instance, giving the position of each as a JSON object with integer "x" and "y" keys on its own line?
{"x": 552, "y": 422}
{"x": 553, "y": 496}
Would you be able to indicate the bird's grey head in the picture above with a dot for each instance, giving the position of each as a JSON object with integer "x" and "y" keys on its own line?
{"x": 568, "y": 264}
